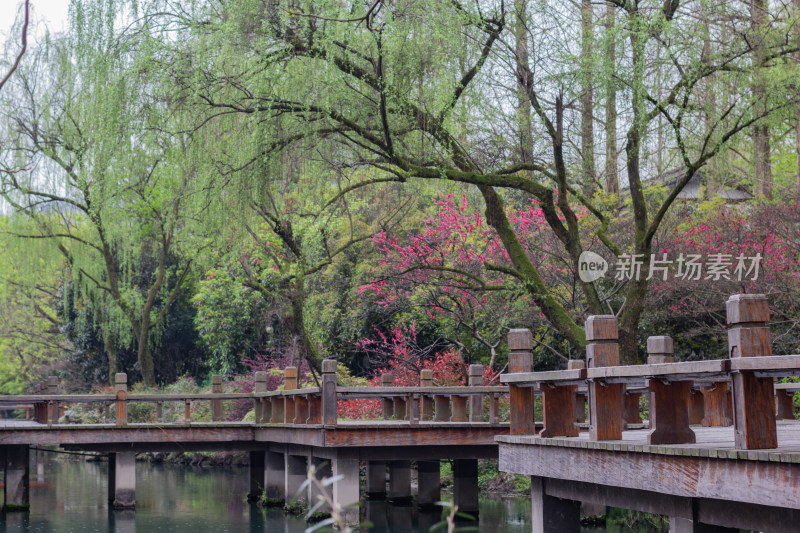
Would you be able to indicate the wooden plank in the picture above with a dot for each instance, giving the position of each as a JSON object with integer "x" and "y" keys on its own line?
{"x": 787, "y": 365}
{"x": 681, "y": 370}
{"x": 759, "y": 482}
{"x": 578, "y": 374}
{"x": 369, "y": 392}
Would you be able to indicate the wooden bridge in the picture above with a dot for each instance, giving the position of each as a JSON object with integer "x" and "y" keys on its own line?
{"x": 720, "y": 451}
{"x": 740, "y": 469}
{"x": 293, "y": 429}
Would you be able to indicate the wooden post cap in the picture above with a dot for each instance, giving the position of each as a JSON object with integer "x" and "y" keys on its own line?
{"x": 291, "y": 371}
{"x": 120, "y": 378}
{"x": 387, "y": 379}
{"x": 425, "y": 375}
{"x": 520, "y": 340}
{"x": 601, "y": 328}
{"x": 576, "y": 364}
{"x": 747, "y": 308}
{"x": 475, "y": 370}
{"x": 216, "y": 379}
{"x": 328, "y": 366}
{"x": 261, "y": 376}
{"x": 660, "y": 345}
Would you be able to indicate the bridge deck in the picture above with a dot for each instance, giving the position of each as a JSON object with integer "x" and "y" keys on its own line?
{"x": 393, "y": 436}
{"x": 715, "y": 442}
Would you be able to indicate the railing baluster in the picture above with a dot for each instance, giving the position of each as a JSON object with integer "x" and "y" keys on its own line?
{"x": 290, "y": 383}
{"x": 329, "y": 407}
{"x": 520, "y": 359}
{"x": 426, "y": 407}
{"x": 53, "y": 407}
{"x": 216, "y": 405}
{"x": 121, "y": 387}
{"x": 259, "y": 405}
{"x": 476, "y": 400}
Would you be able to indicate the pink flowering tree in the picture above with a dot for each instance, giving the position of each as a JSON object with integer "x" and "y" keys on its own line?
{"x": 456, "y": 273}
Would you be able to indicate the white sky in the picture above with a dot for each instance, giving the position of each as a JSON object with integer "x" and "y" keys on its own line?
{"x": 50, "y": 14}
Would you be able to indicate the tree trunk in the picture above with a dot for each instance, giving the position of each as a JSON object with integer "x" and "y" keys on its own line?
{"x": 761, "y": 156}
{"x": 712, "y": 175}
{"x": 144, "y": 357}
{"x": 524, "y": 120}
{"x": 612, "y": 180}
{"x": 637, "y": 288}
{"x": 587, "y": 100}
{"x": 111, "y": 351}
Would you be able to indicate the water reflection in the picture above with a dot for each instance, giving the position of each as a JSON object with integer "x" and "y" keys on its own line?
{"x": 71, "y": 496}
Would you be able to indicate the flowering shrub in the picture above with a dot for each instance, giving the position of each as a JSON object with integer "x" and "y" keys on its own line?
{"x": 398, "y": 351}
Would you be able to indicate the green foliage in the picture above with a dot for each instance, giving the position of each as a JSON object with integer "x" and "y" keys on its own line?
{"x": 229, "y": 317}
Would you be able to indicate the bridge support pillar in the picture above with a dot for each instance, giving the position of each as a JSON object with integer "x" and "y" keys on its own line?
{"x": 257, "y": 476}
{"x": 553, "y": 515}
{"x": 429, "y": 481}
{"x": 465, "y": 485}
{"x": 295, "y": 476}
{"x": 274, "y": 479}
{"x": 399, "y": 480}
{"x": 17, "y": 488}
{"x": 122, "y": 480}
{"x": 345, "y": 490}
{"x": 376, "y": 479}
{"x": 685, "y": 525}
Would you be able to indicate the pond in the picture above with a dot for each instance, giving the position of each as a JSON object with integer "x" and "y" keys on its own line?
{"x": 70, "y": 496}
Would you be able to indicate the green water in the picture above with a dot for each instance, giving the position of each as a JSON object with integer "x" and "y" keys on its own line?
{"x": 70, "y": 497}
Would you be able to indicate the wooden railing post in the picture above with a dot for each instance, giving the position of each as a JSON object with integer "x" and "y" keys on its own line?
{"x": 290, "y": 383}
{"x": 558, "y": 408}
{"x": 259, "y": 405}
{"x": 300, "y": 409}
{"x": 53, "y": 407}
{"x": 784, "y": 404}
{"x": 476, "y": 401}
{"x": 426, "y": 402}
{"x": 121, "y": 387}
{"x": 216, "y": 405}
{"x": 520, "y": 359}
{"x": 329, "y": 410}
{"x": 387, "y": 380}
{"x": 580, "y": 396}
{"x": 458, "y": 405}
{"x": 753, "y": 396}
{"x": 605, "y": 399}
{"x": 670, "y": 408}
{"x": 441, "y": 408}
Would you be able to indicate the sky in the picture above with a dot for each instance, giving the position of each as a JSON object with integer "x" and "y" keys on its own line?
{"x": 52, "y": 14}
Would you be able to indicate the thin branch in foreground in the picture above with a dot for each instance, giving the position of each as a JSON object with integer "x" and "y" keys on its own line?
{"x": 24, "y": 44}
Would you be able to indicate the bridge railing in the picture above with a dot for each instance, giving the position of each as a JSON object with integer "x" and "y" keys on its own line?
{"x": 672, "y": 387}
{"x": 474, "y": 403}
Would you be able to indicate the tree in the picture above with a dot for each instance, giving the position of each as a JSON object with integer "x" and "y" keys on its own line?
{"x": 108, "y": 183}
{"x": 331, "y": 72}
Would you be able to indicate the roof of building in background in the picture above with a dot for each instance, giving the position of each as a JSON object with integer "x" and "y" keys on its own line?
{"x": 733, "y": 190}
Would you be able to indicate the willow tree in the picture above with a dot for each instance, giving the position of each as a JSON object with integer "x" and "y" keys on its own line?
{"x": 105, "y": 182}
{"x": 430, "y": 91}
